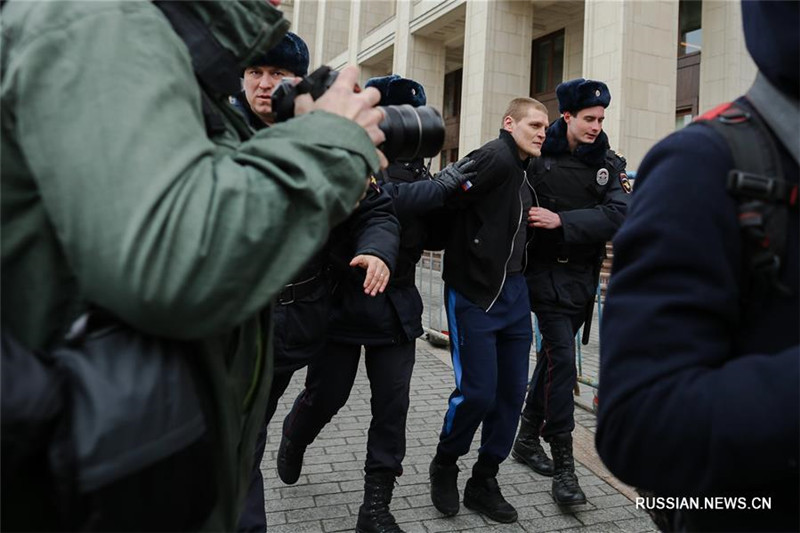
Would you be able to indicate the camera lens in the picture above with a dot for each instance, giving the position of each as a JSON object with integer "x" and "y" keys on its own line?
{"x": 411, "y": 132}
{"x": 283, "y": 100}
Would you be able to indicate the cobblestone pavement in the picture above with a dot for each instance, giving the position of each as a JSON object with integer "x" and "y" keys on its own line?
{"x": 329, "y": 492}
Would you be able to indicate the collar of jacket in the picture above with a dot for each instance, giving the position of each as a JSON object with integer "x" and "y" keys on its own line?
{"x": 508, "y": 139}
{"x": 556, "y": 144}
{"x": 245, "y": 27}
{"x": 253, "y": 120}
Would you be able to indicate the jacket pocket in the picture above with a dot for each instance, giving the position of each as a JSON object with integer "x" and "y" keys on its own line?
{"x": 541, "y": 288}
{"x": 305, "y": 321}
{"x": 574, "y": 286}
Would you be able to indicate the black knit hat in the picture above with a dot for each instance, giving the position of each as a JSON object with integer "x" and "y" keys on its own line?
{"x": 398, "y": 91}
{"x": 291, "y": 53}
{"x": 574, "y": 95}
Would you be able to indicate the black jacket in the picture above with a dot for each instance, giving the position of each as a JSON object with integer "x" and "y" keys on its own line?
{"x": 485, "y": 219}
{"x": 396, "y": 315}
{"x": 307, "y": 313}
{"x": 585, "y": 188}
{"x": 241, "y": 104}
{"x": 373, "y": 229}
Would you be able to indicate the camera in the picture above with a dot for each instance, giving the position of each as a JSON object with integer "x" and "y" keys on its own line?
{"x": 411, "y": 132}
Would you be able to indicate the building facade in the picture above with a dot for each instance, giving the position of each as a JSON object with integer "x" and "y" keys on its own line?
{"x": 665, "y": 61}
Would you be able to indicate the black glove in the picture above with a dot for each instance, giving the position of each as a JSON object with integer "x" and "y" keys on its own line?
{"x": 453, "y": 175}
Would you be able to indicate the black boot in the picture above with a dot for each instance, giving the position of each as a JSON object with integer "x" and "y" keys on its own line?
{"x": 290, "y": 461}
{"x": 566, "y": 490}
{"x": 528, "y": 448}
{"x": 483, "y": 495}
{"x": 374, "y": 515}
{"x": 444, "y": 488}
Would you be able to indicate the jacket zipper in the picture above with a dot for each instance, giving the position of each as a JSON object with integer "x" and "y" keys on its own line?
{"x": 527, "y": 242}
{"x": 513, "y": 239}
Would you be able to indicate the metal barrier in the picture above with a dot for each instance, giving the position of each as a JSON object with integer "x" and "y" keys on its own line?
{"x": 434, "y": 319}
{"x": 431, "y": 288}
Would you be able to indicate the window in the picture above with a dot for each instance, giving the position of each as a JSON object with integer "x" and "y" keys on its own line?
{"x": 690, "y": 31}
{"x": 452, "y": 119}
{"x": 683, "y": 117}
{"x": 547, "y": 70}
{"x": 452, "y": 94}
{"x": 448, "y": 156}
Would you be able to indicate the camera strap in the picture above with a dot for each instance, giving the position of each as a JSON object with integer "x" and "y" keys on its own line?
{"x": 214, "y": 65}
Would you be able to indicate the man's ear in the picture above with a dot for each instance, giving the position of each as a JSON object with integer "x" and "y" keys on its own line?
{"x": 508, "y": 123}
{"x": 567, "y": 116}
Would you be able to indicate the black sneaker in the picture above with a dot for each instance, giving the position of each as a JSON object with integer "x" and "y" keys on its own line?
{"x": 444, "y": 488}
{"x": 484, "y": 496}
{"x": 290, "y": 461}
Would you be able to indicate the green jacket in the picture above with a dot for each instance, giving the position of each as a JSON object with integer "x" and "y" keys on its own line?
{"x": 112, "y": 193}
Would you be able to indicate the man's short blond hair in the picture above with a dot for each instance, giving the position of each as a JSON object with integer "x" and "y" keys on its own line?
{"x": 518, "y": 108}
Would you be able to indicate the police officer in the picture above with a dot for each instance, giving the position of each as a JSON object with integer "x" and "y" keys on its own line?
{"x": 287, "y": 59}
{"x": 386, "y": 326}
{"x": 700, "y": 345}
{"x": 581, "y": 199}
{"x": 301, "y": 311}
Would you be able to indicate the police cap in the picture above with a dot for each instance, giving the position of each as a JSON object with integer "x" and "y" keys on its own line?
{"x": 574, "y": 95}
{"x": 396, "y": 90}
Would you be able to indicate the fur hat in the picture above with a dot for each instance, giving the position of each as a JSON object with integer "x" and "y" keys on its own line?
{"x": 291, "y": 53}
{"x": 574, "y": 95}
{"x": 398, "y": 91}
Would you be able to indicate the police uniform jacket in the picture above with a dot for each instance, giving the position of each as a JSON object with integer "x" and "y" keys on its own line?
{"x": 396, "y": 315}
{"x": 308, "y": 311}
{"x": 356, "y": 317}
{"x": 699, "y": 393}
{"x": 484, "y": 220}
{"x": 587, "y": 188}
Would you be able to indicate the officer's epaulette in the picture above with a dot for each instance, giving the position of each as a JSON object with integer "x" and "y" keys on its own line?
{"x": 616, "y": 163}
{"x": 616, "y": 160}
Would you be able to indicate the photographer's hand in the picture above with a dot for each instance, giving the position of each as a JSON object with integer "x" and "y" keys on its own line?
{"x": 377, "y": 273}
{"x": 453, "y": 175}
{"x": 341, "y": 99}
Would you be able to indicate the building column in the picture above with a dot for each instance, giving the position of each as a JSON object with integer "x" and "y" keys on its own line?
{"x": 354, "y": 36}
{"x": 497, "y": 64}
{"x": 319, "y": 37}
{"x": 419, "y": 58}
{"x": 726, "y": 68}
{"x": 632, "y": 47}
{"x": 402, "y": 38}
{"x": 304, "y": 24}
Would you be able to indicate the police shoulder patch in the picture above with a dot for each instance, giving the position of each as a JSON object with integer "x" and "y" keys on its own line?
{"x": 625, "y": 183}
{"x": 374, "y": 184}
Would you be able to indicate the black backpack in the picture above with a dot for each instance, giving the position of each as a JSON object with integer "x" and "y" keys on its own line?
{"x": 763, "y": 196}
